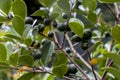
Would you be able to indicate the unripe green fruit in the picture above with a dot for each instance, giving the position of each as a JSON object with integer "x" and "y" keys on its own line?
{"x": 29, "y": 20}
{"x": 50, "y": 34}
{"x": 47, "y": 21}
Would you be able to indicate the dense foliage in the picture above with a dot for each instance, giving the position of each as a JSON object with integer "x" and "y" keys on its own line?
{"x": 59, "y": 40}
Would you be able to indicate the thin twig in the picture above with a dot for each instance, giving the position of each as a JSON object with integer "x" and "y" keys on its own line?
{"x": 76, "y": 65}
{"x": 88, "y": 52}
{"x": 80, "y": 57}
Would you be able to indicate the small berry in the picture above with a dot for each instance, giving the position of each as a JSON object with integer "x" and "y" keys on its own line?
{"x": 64, "y": 15}
{"x": 67, "y": 28}
{"x": 50, "y": 34}
{"x": 47, "y": 21}
{"x": 29, "y": 20}
{"x": 75, "y": 38}
{"x": 71, "y": 69}
{"x": 36, "y": 56}
{"x": 61, "y": 27}
{"x": 54, "y": 24}
{"x": 67, "y": 49}
{"x": 40, "y": 28}
{"x": 84, "y": 46}
{"x": 43, "y": 41}
{"x": 87, "y": 35}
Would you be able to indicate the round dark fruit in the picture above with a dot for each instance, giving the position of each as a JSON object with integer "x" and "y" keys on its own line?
{"x": 29, "y": 20}
{"x": 67, "y": 28}
{"x": 61, "y": 27}
{"x": 43, "y": 41}
{"x": 75, "y": 38}
{"x": 107, "y": 34}
{"x": 36, "y": 56}
{"x": 32, "y": 45}
{"x": 87, "y": 35}
{"x": 84, "y": 46}
{"x": 64, "y": 15}
{"x": 35, "y": 44}
{"x": 10, "y": 16}
{"x": 67, "y": 49}
{"x": 50, "y": 34}
{"x": 47, "y": 21}
{"x": 54, "y": 24}
{"x": 71, "y": 69}
{"x": 40, "y": 28}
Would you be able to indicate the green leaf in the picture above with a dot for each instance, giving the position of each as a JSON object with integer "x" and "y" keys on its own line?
{"x": 19, "y": 8}
{"x": 27, "y": 31}
{"x": 3, "y": 19}
{"x": 48, "y": 77}
{"x": 47, "y": 3}
{"x": 64, "y": 5}
{"x": 114, "y": 57}
{"x": 11, "y": 36}
{"x": 116, "y": 33}
{"x": 108, "y": 1}
{"x": 18, "y": 24}
{"x": 26, "y": 60}
{"x": 5, "y": 6}
{"x": 76, "y": 26}
{"x": 60, "y": 70}
{"x": 40, "y": 13}
{"x": 28, "y": 41}
{"x": 27, "y": 76}
{"x": 14, "y": 59}
{"x": 47, "y": 51}
{"x": 96, "y": 45}
{"x": 3, "y": 52}
{"x": 3, "y": 65}
{"x": 54, "y": 15}
{"x": 91, "y": 4}
{"x": 60, "y": 58}
{"x": 114, "y": 71}
{"x": 91, "y": 18}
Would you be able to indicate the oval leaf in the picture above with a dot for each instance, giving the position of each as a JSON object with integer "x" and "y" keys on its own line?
{"x": 116, "y": 33}
{"x": 26, "y": 60}
{"x": 5, "y": 6}
{"x": 108, "y": 1}
{"x": 60, "y": 58}
{"x": 14, "y": 59}
{"x": 3, "y": 65}
{"x": 64, "y": 5}
{"x": 27, "y": 76}
{"x": 60, "y": 70}
{"x": 3, "y": 19}
{"x": 18, "y": 24}
{"x": 19, "y": 8}
{"x": 114, "y": 57}
{"x": 47, "y": 51}
{"x": 114, "y": 71}
{"x": 76, "y": 26}
{"x": 3, "y": 52}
